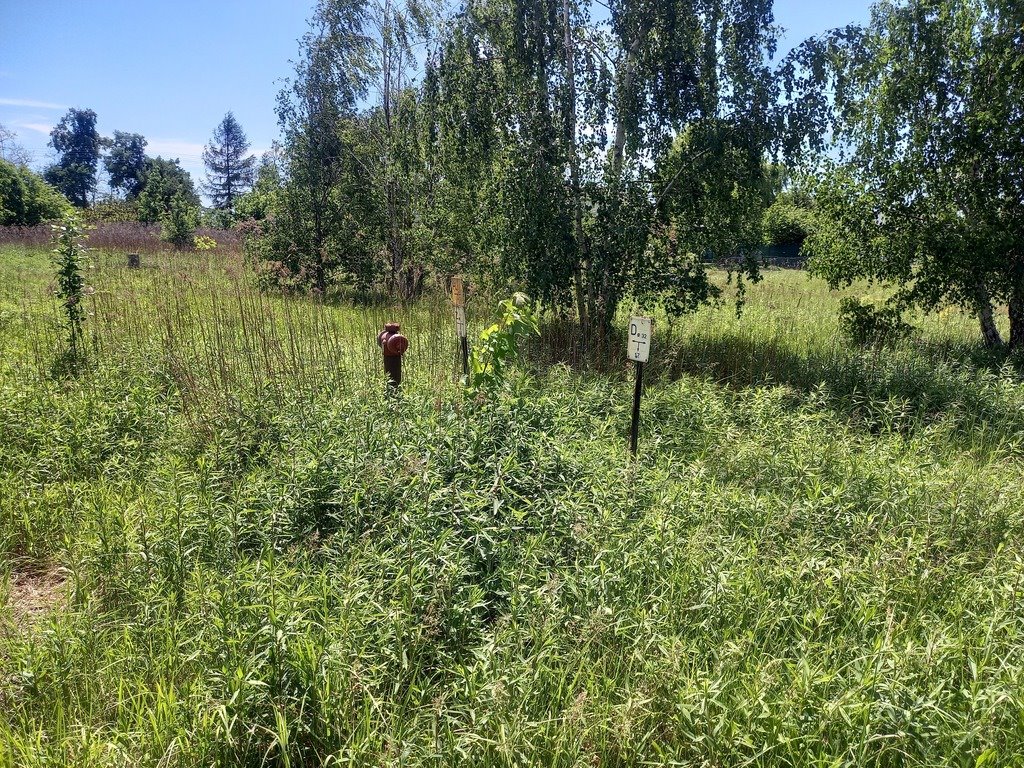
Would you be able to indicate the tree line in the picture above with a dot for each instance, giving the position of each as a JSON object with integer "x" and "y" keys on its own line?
{"x": 143, "y": 188}
{"x": 523, "y": 141}
{"x": 593, "y": 152}
{"x": 590, "y": 152}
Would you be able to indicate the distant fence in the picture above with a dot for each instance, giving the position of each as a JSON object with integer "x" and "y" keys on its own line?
{"x": 117, "y": 236}
{"x": 781, "y": 256}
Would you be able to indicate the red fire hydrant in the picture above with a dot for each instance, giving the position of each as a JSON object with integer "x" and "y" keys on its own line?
{"x": 394, "y": 345}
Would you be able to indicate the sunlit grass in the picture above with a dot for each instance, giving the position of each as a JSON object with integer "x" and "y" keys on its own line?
{"x": 265, "y": 559}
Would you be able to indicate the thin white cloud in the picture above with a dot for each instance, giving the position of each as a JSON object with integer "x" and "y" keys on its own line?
{"x": 30, "y": 103}
{"x": 37, "y": 127}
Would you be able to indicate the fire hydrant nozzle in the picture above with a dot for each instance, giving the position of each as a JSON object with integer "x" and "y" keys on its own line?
{"x": 394, "y": 345}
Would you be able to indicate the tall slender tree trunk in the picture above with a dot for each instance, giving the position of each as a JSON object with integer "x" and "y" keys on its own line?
{"x": 574, "y": 164}
{"x": 1016, "y": 310}
{"x": 986, "y": 319}
{"x": 1015, "y": 303}
{"x": 603, "y": 305}
{"x": 625, "y": 88}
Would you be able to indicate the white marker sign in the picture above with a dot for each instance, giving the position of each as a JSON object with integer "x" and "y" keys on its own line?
{"x": 640, "y": 335}
{"x": 460, "y": 321}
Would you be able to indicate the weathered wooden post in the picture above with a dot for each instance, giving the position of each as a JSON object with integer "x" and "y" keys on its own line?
{"x": 639, "y": 351}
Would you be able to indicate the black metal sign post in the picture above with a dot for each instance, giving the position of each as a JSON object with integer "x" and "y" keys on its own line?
{"x": 459, "y": 300}
{"x": 639, "y": 351}
{"x": 464, "y": 342}
{"x": 634, "y": 428}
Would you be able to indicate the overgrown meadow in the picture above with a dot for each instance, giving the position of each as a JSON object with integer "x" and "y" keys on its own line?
{"x": 223, "y": 543}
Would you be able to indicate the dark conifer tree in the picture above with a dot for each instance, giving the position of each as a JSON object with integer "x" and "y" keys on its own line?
{"x": 229, "y": 173}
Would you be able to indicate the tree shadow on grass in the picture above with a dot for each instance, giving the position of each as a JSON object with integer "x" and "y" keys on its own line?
{"x": 562, "y": 341}
{"x": 977, "y": 392}
{"x": 903, "y": 387}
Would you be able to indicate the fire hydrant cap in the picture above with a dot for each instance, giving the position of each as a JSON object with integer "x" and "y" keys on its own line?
{"x": 391, "y": 341}
{"x": 396, "y": 344}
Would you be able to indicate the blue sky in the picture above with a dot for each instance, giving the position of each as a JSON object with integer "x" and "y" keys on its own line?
{"x": 171, "y": 70}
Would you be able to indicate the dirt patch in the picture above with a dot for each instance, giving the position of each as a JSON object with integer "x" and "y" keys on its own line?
{"x": 33, "y": 594}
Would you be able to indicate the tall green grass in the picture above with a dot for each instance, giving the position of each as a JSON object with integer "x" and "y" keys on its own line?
{"x": 816, "y": 559}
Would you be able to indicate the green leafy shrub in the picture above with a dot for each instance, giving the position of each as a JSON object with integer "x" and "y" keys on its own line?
{"x": 165, "y": 181}
{"x": 785, "y": 223}
{"x": 215, "y": 219}
{"x": 204, "y": 243}
{"x": 497, "y": 347}
{"x": 178, "y": 224}
{"x": 864, "y": 323}
{"x": 258, "y": 202}
{"x": 70, "y": 261}
{"x": 112, "y": 210}
{"x": 25, "y": 199}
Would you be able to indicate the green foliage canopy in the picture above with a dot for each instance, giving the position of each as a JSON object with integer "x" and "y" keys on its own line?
{"x": 352, "y": 206}
{"x": 317, "y": 234}
{"x": 77, "y": 145}
{"x": 165, "y": 182}
{"x": 573, "y": 122}
{"x": 257, "y": 203}
{"x": 25, "y": 199}
{"x": 787, "y": 223}
{"x": 927, "y": 101}
{"x": 583, "y": 161}
{"x": 125, "y": 161}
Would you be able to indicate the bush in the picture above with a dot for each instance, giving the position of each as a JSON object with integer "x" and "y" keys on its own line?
{"x": 112, "y": 210}
{"x": 863, "y": 323}
{"x": 204, "y": 243}
{"x": 216, "y": 219}
{"x": 165, "y": 181}
{"x": 69, "y": 261}
{"x": 178, "y": 224}
{"x": 786, "y": 224}
{"x": 25, "y": 199}
{"x": 497, "y": 347}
